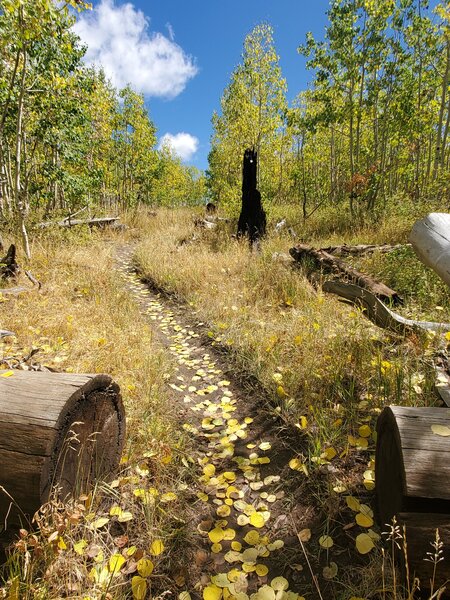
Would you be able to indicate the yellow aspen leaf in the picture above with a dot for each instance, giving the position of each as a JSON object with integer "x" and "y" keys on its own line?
{"x": 229, "y": 476}
{"x": 261, "y": 570}
{"x": 364, "y": 543}
{"x": 248, "y": 567}
{"x": 243, "y": 520}
{"x": 145, "y": 567}
{"x": 168, "y": 497}
{"x": 257, "y": 519}
{"x": 61, "y": 543}
{"x": 364, "y": 431}
{"x": 156, "y": 548}
{"x": 223, "y": 510}
{"x": 221, "y": 580}
{"x": 115, "y": 511}
{"x": 295, "y": 464}
{"x": 441, "y": 430}
{"x": 237, "y": 546}
{"x": 265, "y": 446}
{"x": 281, "y": 392}
{"x": 216, "y": 548}
{"x": 202, "y": 496}
{"x": 265, "y": 592}
{"x": 80, "y": 546}
{"x": 138, "y": 587}
{"x": 252, "y": 538}
{"x": 212, "y": 592}
{"x": 184, "y": 596}
{"x": 326, "y": 541}
{"x": 234, "y": 575}
{"x": 279, "y": 584}
{"x": 216, "y": 535}
{"x": 229, "y": 534}
{"x": 125, "y": 516}
{"x": 7, "y": 374}
{"x": 329, "y": 453}
{"x": 353, "y": 503}
{"x": 364, "y": 520}
{"x": 115, "y": 563}
{"x": 100, "y": 522}
{"x": 362, "y": 443}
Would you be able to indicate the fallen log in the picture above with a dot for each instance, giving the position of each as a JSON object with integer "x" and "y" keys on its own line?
{"x": 58, "y": 431}
{"x": 322, "y": 260}
{"x": 6, "y": 333}
{"x": 412, "y": 475}
{"x": 430, "y": 238}
{"x": 15, "y": 291}
{"x": 377, "y": 312}
{"x": 97, "y": 222}
{"x": 362, "y": 249}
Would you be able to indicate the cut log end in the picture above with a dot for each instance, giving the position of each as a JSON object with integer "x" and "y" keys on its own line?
{"x": 412, "y": 473}
{"x": 59, "y": 433}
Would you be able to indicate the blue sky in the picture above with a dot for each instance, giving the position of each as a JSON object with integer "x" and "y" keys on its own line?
{"x": 181, "y": 55}
{"x": 198, "y": 44}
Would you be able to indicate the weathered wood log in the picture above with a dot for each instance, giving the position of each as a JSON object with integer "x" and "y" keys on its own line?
{"x": 362, "y": 249}
{"x": 420, "y": 533}
{"x": 327, "y": 263}
{"x": 8, "y": 264}
{"x": 98, "y": 222}
{"x": 379, "y": 313}
{"x": 5, "y": 333}
{"x": 16, "y": 290}
{"x": 430, "y": 238}
{"x": 412, "y": 475}
{"x": 252, "y": 220}
{"x": 57, "y": 431}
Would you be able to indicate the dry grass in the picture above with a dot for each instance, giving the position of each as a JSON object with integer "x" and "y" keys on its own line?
{"x": 274, "y": 321}
{"x": 84, "y": 321}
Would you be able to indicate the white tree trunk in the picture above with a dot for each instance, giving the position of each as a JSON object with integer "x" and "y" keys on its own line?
{"x": 430, "y": 238}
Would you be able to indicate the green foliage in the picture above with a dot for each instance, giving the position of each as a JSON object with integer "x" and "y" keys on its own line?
{"x": 253, "y": 108}
{"x": 68, "y": 139}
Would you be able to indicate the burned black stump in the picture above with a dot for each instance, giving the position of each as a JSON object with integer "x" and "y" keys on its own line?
{"x": 252, "y": 220}
{"x": 8, "y": 264}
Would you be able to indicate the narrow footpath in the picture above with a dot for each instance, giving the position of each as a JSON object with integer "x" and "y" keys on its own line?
{"x": 246, "y": 542}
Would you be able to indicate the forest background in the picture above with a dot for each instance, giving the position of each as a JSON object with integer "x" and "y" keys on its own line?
{"x": 370, "y": 135}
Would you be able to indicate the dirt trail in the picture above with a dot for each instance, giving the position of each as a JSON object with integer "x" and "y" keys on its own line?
{"x": 246, "y": 538}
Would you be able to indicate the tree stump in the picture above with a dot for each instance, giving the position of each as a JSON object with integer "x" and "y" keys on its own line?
{"x": 252, "y": 220}
{"x": 412, "y": 474}
{"x": 58, "y": 431}
{"x": 8, "y": 264}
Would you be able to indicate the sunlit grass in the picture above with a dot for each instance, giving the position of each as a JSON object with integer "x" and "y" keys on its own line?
{"x": 83, "y": 320}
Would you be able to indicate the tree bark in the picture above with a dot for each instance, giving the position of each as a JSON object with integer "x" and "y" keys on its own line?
{"x": 327, "y": 263}
{"x": 58, "y": 432}
{"x": 430, "y": 238}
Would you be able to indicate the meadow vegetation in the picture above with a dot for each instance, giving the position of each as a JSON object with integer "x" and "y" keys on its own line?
{"x": 85, "y": 321}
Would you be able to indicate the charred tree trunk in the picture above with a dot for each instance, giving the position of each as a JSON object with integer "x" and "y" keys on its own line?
{"x": 252, "y": 220}
{"x": 8, "y": 265}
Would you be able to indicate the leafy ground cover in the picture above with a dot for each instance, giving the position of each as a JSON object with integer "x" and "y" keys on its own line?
{"x": 251, "y": 402}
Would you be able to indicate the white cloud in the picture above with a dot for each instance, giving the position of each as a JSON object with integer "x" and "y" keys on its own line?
{"x": 183, "y": 144}
{"x": 118, "y": 39}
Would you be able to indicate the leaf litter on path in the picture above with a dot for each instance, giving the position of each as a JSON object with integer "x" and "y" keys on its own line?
{"x": 242, "y": 532}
